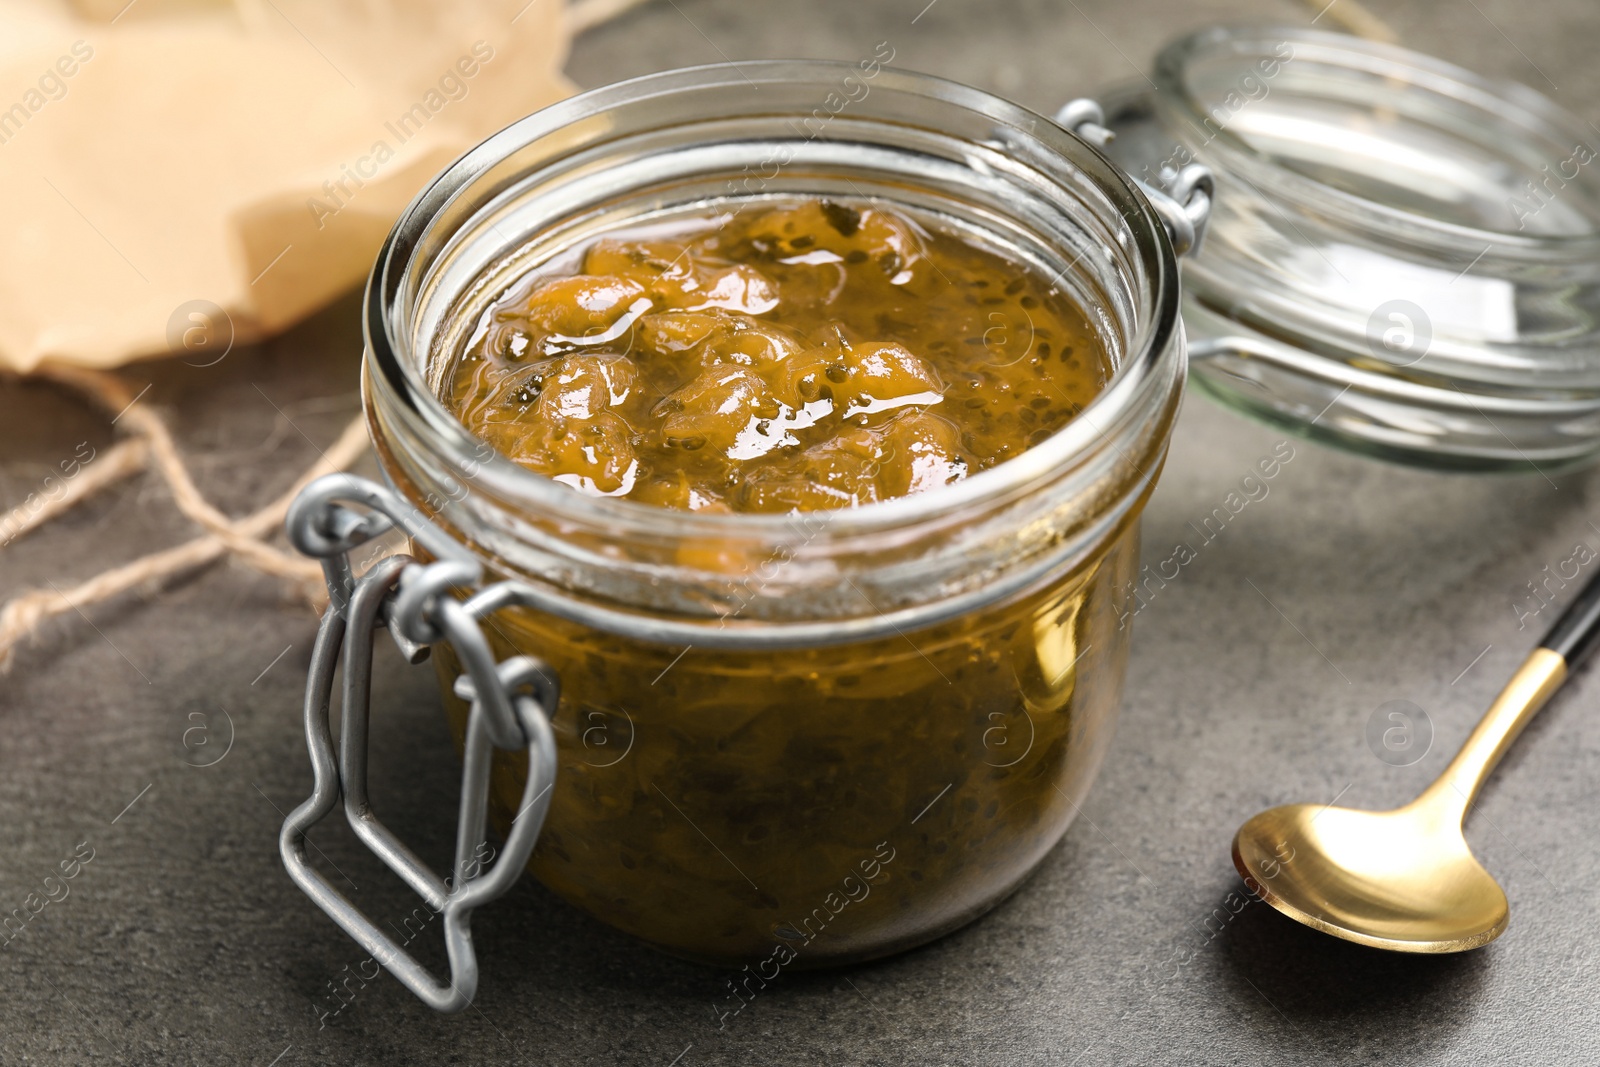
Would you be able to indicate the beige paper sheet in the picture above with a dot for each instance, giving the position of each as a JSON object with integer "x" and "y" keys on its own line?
{"x": 166, "y": 158}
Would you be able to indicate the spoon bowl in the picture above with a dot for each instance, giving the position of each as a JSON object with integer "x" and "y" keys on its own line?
{"x": 1402, "y": 880}
{"x": 1405, "y": 879}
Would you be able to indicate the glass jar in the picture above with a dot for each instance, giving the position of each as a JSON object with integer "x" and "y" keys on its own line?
{"x": 1404, "y": 258}
{"x": 807, "y": 738}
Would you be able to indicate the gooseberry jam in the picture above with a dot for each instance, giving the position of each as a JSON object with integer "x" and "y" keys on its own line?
{"x": 798, "y": 356}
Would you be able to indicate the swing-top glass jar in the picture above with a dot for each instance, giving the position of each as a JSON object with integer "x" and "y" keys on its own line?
{"x": 786, "y": 739}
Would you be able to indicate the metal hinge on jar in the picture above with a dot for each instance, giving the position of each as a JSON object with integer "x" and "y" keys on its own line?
{"x": 511, "y": 705}
{"x": 1183, "y": 200}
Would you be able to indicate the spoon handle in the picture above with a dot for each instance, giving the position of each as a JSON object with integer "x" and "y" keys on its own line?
{"x": 1575, "y": 633}
{"x": 1572, "y": 638}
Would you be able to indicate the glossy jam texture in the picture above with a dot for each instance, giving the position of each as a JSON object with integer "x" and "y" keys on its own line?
{"x": 794, "y": 356}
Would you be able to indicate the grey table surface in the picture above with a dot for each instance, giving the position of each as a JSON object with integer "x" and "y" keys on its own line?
{"x": 1253, "y": 679}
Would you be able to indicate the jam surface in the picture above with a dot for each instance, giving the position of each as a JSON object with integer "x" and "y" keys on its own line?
{"x": 790, "y": 356}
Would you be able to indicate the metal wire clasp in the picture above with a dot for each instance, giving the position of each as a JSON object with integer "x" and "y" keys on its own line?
{"x": 511, "y": 706}
{"x": 1184, "y": 198}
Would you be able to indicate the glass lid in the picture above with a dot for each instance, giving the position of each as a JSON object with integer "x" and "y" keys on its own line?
{"x": 1403, "y": 257}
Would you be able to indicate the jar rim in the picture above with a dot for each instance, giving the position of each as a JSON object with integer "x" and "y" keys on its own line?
{"x": 1175, "y": 59}
{"x": 1144, "y": 365}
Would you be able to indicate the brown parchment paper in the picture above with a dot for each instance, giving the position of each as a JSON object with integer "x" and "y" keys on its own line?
{"x": 175, "y": 174}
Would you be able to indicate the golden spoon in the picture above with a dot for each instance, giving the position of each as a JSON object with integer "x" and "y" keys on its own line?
{"x": 1405, "y": 880}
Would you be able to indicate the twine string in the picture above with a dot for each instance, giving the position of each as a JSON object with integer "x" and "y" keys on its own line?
{"x": 152, "y": 443}
{"x": 123, "y": 459}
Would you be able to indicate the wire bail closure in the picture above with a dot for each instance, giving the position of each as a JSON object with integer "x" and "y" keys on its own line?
{"x": 511, "y": 706}
{"x": 1183, "y": 200}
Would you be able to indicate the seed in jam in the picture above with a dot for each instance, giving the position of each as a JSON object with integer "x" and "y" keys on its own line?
{"x": 803, "y": 356}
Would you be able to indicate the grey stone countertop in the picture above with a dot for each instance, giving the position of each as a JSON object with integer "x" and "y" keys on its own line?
{"x": 1253, "y": 678}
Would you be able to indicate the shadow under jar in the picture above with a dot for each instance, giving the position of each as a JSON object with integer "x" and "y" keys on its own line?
{"x": 813, "y": 737}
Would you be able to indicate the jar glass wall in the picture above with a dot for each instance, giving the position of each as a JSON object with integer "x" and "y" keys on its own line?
{"x": 835, "y": 733}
